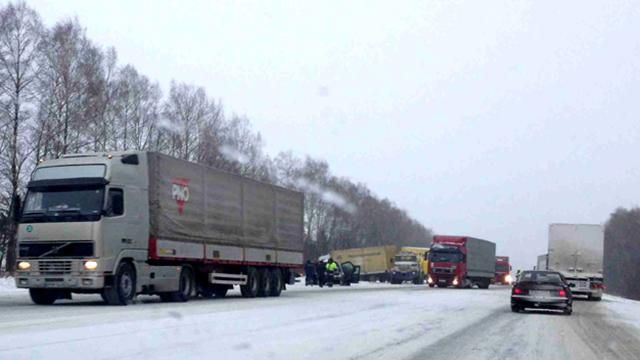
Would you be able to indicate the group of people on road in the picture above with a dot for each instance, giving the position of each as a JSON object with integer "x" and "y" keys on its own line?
{"x": 320, "y": 273}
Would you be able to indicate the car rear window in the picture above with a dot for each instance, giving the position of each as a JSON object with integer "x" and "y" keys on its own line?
{"x": 541, "y": 277}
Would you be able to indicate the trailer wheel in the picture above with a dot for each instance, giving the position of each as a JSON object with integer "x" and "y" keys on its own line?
{"x": 484, "y": 284}
{"x": 250, "y": 290}
{"x": 276, "y": 282}
{"x": 123, "y": 289}
{"x": 264, "y": 282}
{"x": 185, "y": 287}
{"x": 42, "y": 296}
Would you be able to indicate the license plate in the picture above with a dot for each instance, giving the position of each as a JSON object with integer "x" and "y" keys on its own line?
{"x": 539, "y": 293}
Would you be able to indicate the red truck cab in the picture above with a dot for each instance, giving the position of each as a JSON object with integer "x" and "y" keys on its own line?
{"x": 503, "y": 271}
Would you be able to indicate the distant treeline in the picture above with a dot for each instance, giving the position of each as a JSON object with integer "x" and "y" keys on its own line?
{"x": 622, "y": 253}
{"x": 62, "y": 93}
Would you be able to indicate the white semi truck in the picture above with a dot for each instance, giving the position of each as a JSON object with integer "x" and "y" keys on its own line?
{"x": 133, "y": 223}
{"x": 576, "y": 251}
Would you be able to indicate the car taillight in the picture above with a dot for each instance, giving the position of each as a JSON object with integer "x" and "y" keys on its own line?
{"x": 562, "y": 293}
{"x": 517, "y": 290}
{"x": 597, "y": 285}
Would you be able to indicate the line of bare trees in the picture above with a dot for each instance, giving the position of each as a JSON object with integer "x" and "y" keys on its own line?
{"x": 62, "y": 93}
{"x": 622, "y": 253}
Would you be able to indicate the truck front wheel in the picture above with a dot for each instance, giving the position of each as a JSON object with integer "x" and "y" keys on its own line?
{"x": 123, "y": 289}
{"x": 185, "y": 287}
{"x": 43, "y": 296}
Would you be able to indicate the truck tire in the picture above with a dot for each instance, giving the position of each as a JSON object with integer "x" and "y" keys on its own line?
{"x": 484, "y": 284}
{"x": 43, "y": 296}
{"x": 276, "y": 282}
{"x": 185, "y": 287}
{"x": 250, "y": 290}
{"x": 123, "y": 289}
{"x": 264, "y": 282}
{"x": 432, "y": 285}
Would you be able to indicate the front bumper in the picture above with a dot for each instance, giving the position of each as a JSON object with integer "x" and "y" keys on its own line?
{"x": 58, "y": 274}
{"x": 537, "y": 302}
{"x": 404, "y": 275}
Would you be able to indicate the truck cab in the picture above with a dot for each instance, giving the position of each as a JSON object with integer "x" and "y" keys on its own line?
{"x": 503, "y": 271}
{"x": 82, "y": 216}
{"x": 446, "y": 265}
{"x": 406, "y": 267}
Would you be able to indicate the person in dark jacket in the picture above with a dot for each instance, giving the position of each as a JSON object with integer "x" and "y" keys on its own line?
{"x": 310, "y": 273}
{"x": 320, "y": 273}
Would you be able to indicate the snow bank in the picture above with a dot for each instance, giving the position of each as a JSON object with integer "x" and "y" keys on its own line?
{"x": 8, "y": 284}
{"x": 627, "y": 310}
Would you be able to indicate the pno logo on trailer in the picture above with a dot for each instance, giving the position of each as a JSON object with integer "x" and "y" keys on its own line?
{"x": 180, "y": 192}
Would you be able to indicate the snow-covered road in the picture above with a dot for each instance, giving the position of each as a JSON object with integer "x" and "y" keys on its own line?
{"x": 365, "y": 321}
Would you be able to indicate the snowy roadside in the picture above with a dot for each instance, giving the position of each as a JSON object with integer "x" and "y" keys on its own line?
{"x": 8, "y": 285}
{"x": 627, "y": 311}
{"x": 366, "y": 321}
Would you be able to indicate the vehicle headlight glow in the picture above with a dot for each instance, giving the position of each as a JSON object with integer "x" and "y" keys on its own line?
{"x": 455, "y": 281}
{"x": 90, "y": 265}
{"x": 24, "y": 265}
{"x": 429, "y": 280}
{"x": 508, "y": 278}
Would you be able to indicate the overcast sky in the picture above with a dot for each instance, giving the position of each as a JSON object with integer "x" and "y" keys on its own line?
{"x": 486, "y": 118}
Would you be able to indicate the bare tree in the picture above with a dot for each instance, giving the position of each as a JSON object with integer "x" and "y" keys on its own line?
{"x": 20, "y": 36}
{"x": 187, "y": 108}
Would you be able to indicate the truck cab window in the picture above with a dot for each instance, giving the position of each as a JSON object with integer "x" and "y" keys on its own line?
{"x": 115, "y": 202}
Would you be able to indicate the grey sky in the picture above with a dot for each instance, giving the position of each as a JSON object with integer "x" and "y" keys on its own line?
{"x": 487, "y": 118}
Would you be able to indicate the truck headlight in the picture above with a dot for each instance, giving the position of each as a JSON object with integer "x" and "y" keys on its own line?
{"x": 508, "y": 279}
{"x": 90, "y": 265}
{"x": 455, "y": 281}
{"x": 429, "y": 280}
{"x": 24, "y": 265}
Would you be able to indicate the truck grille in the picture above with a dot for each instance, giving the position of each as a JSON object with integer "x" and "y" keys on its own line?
{"x": 52, "y": 267}
{"x": 443, "y": 270}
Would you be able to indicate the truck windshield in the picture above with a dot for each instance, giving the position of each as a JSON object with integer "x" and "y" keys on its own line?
{"x": 63, "y": 204}
{"x": 436, "y": 256}
{"x": 502, "y": 267}
{"x": 406, "y": 258}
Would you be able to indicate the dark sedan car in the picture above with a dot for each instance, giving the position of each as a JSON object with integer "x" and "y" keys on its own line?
{"x": 541, "y": 290}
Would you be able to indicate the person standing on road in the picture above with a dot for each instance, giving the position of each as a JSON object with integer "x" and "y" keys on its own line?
{"x": 310, "y": 273}
{"x": 320, "y": 270}
{"x": 331, "y": 268}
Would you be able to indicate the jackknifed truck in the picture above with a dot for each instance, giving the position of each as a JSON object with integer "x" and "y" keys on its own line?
{"x": 130, "y": 223}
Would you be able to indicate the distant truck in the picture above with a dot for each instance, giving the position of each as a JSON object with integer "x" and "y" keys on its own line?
{"x": 543, "y": 261}
{"x": 388, "y": 263}
{"x": 503, "y": 271}
{"x": 461, "y": 261}
{"x": 408, "y": 266}
{"x": 130, "y": 223}
{"x": 576, "y": 251}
